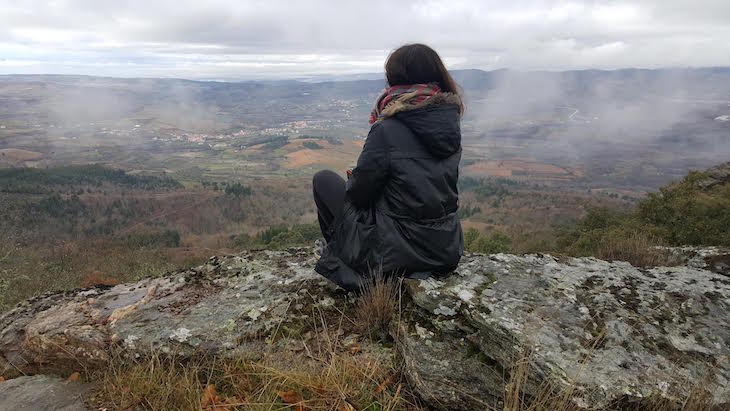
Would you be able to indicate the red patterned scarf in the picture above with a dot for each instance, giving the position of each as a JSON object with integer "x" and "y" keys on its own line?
{"x": 408, "y": 95}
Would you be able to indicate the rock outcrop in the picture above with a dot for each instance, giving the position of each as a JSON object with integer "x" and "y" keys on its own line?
{"x": 42, "y": 392}
{"x": 230, "y": 304}
{"x": 613, "y": 332}
{"x": 717, "y": 175}
{"x": 606, "y": 333}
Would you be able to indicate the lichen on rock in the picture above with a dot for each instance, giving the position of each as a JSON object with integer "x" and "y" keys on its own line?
{"x": 609, "y": 331}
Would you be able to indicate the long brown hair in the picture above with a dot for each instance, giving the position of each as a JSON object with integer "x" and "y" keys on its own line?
{"x": 419, "y": 64}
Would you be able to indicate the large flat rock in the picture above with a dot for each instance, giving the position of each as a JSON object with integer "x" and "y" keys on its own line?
{"x": 41, "y": 393}
{"x": 613, "y": 333}
{"x": 228, "y": 305}
{"x": 607, "y": 333}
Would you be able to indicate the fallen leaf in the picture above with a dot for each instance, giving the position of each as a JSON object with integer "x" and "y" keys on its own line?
{"x": 74, "y": 377}
{"x": 228, "y": 405}
{"x": 209, "y": 397}
{"x": 384, "y": 385}
{"x": 233, "y": 401}
{"x": 345, "y": 406}
{"x": 355, "y": 348}
{"x": 2, "y": 379}
{"x": 292, "y": 397}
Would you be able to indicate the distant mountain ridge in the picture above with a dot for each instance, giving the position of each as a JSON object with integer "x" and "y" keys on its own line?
{"x": 462, "y": 76}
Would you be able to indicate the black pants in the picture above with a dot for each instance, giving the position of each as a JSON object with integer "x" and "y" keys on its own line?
{"x": 329, "y": 196}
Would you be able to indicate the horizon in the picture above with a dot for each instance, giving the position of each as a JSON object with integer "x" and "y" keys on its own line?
{"x": 273, "y": 40}
{"x": 364, "y": 76}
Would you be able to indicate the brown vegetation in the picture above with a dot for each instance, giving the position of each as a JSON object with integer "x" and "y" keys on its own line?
{"x": 96, "y": 278}
{"x": 336, "y": 157}
{"x": 520, "y": 169}
{"x": 15, "y": 154}
{"x": 636, "y": 248}
{"x": 326, "y": 374}
{"x": 377, "y": 305}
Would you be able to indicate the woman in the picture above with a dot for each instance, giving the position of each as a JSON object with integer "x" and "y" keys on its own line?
{"x": 397, "y": 210}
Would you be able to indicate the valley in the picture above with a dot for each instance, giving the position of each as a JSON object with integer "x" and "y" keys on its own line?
{"x": 137, "y": 176}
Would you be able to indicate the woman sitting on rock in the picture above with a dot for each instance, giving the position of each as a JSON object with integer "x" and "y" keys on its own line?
{"x": 397, "y": 210}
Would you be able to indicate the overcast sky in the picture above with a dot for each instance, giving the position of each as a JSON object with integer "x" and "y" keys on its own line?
{"x": 244, "y": 39}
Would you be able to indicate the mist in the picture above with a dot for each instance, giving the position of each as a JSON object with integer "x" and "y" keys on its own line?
{"x": 669, "y": 120}
{"x": 667, "y": 116}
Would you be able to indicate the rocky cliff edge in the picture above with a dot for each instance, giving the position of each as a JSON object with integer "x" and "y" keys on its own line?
{"x": 611, "y": 333}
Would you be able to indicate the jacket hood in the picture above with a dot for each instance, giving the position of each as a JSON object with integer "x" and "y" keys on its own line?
{"x": 436, "y": 122}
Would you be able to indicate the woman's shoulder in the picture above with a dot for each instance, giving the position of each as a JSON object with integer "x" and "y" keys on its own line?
{"x": 388, "y": 127}
{"x": 389, "y": 132}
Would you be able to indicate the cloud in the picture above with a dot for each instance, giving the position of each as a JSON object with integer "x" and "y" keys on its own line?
{"x": 273, "y": 39}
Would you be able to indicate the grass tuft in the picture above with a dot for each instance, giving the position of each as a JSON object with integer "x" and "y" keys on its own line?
{"x": 377, "y": 305}
{"x": 636, "y": 248}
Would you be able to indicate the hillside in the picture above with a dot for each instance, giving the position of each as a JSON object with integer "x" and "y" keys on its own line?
{"x": 82, "y": 225}
{"x": 68, "y": 226}
{"x": 692, "y": 211}
{"x": 261, "y": 329}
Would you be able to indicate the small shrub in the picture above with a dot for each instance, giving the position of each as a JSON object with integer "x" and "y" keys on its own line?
{"x": 468, "y": 211}
{"x": 238, "y": 190}
{"x": 684, "y": 214}
{"x": 282, "y": 237}
{"x": 494, "y": 242}
{"x": 615, "y": 236}
{"x": 470, "y": 236}
{"x": 164, "y": 238}
{"x": 311, "y": 145}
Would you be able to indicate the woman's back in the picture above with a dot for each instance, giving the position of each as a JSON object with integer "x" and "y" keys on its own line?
{"x": 425, "y": 146}
{"x": 398, "y": 211}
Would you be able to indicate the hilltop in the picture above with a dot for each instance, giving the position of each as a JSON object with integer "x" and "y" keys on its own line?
{"x": 574, "y": 333}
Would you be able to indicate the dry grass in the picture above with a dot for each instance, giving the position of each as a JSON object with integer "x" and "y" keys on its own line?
{"x": 325, "y": 375}
{"x": 96, "y": 278}
{"x": 15, "y": 154}
{"x": 636, "y": 248}
{"x": 377, "y": 305}
{"x": 344, "y": 382}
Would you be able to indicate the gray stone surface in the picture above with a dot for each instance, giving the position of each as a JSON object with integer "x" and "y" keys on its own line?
{"x": 230, "y": 304}
{"x": 612, "y": 332}
{"x": 719, "y": 174}
{"x": 41, "y": 393}
{"x": 715, "y": 259}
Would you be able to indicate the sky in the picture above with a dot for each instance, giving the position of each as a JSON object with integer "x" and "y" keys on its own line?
{"x": 251, "y": 39}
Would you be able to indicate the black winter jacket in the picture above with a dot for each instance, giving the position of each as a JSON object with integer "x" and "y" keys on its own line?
{"x": 401, "y": 202}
